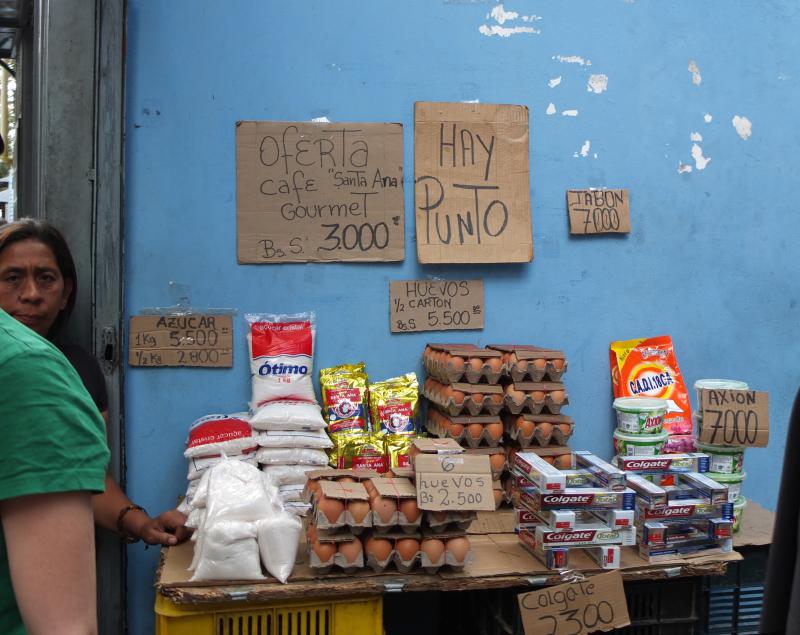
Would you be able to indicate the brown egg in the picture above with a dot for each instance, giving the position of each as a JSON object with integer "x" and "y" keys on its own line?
{"x": 517, "y": 396}
{"x": 524, "y": 426}
{"x": 497, "y": 462}
{"x": 407, "y": 548}
{"x": 548, "y": 459}
{"x": 545, "y": 428}
{"x": 458, "y": 397}
{"x": 477, "y": 398}
{"x": 475, "y": 430}
{"x": 426, "y": 352}
{"x": 408, "y": 506}
{"x": 512, "y": 358}
{"x": 380, "y": 548}
{"x": 457, "y": 363}
{"x": 539, "y": 363}
{"x": 345, "y": 479}
{"x": 563, "y": 462}
{"x": 498, "y": 497}
{"x": 476, "y": 363}
{"x": 439, "y": 516}
{"x": 358, "y": 510}
{"x": 433, "y": 548}
{"x": 557, "y": 396}
{"x": 458, "y": 548}
{"x": 350, "y": 550}
{"x": 324, "y": 550}
{"x": 558, "y": 364}
{"x": 496, "y": 398}
{"x": 495, "y": 364}
{"x": 331, "y": 508}
{"x": 455, "y": 430}
{"x": 447, "y": 393}
{"x": 537, "y": 396}
{"x": 313, "y": 487}
{"x": 384, "y": 509}
{"x": 495, "y": 430}
{"x": 565, "y": 428}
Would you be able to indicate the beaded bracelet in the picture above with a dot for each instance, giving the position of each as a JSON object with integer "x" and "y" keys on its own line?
{"x": 121, "y": 529}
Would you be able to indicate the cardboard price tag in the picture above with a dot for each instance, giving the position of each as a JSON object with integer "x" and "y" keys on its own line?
{"x": 185, "y": 340}
{"x": 435, "y": 305}
{"x": 454, "y": 481}
{"x": 599, "y": 211}
{"x": 575, "y": 608}
{"x": 315, "y": 192}
{"x": 472, "y": 183}
{"x": 734, "y": 417}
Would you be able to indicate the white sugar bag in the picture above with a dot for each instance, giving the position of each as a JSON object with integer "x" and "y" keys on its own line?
{"x": 196, "y": 518}
{"x": 287, "y": 415}
{"x": 316, "y": 439}
{"x": 198, "y": 465}
{"x": 288, "y": 474}
{"x": 291, "y": 456}
{"x": 236, "y": 492}
{"x": 215, "y": 434}
{"x": 297, "y": 508}
{"x": 278, "y": 539}
{"x": 281, "y": 353}
{"x": 228, "y": 551}
{"x": 291, "y": 493}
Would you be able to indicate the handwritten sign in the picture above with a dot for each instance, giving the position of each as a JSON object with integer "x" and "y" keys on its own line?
{"x": 575, "y": 608}
{"x": 472, "y": 183}
{"x": 435, "y": 305}
{"x": 734, "y": 417}
{"x": 313, "y": 192}
{"x": 599, "y": 211}
{"x": 184, "y": 340}
{"x": 454, "y": 481}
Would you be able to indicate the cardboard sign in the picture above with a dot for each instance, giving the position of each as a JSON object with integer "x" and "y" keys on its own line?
{"x": 599, "y": 211}
{"x": 435, "y": 305}
{"x": 575, "y": 608}
{"x": 472, "y": 183}
{"x": 735, "y": 417}
{"x": 454, "y": 481}
{"x": 181, "y": 340}
{"x": 317, "y": 192}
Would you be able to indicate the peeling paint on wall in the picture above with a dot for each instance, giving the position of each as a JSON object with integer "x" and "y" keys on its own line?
{"x": 501, "y": 16}
{"x": 696, "y": 77}
{"x": 584, "y": 151}
{"x": 707, "y": 118}
{"x": 570, "y": 113}
{"x": 744, "y": 128}
{"x": 695, "y": 136}
{"x": 320, "y": 120}
{"x": 554, "y": 82}
{"x": 572, "y": 59}
{"x": 551, "y": 109}
{"x": 700, "y": 162}
{"x": 684, "y": 168}
{"x": 597, "y": 84}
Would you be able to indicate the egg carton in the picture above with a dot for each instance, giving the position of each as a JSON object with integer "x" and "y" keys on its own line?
{"x": 337, "y": 559}
{"x": 497, "y": 459}
{"x": 350, "y": 495}
{"x": 420, "y": 559}
{"x": 396, "y": 490}
{"x": 443, "y": 426}
{"x": 516, "y": 405}
{"x": 453, "y": 363}
{"x": 547, "y": 429}
{"x": 477, "y": 400}
{"x": 549, "y": 453}
{"x": 334, "y": 474}
{"x": 446, "y": 522}
{"x": 532, "y": 363}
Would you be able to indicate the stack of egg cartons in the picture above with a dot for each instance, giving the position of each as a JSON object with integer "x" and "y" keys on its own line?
{"x": 679, "y": 510}
{"x": 465, "y": 399}
{"x": 726, "y": 463}
{"x": 585, "y": 507}
{"x": 534, "y": 396}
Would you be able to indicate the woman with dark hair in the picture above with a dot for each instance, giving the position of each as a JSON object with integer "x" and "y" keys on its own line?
{"x": 38, "y": 284}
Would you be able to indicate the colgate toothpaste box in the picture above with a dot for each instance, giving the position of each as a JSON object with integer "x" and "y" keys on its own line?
{"x": 704, "y": 546}
{"x": 607, "y": 556}
{"x": 692, "y": 462}
{"x": 609, "y": 476}
{"x": 546, "y": 477}
{"x": 582, "y": 536}
{"x": 706, "y": 487}
{"x": 585, "y": 498}
{"x": 615, "y": 518}
{"x": 681, "y": 510}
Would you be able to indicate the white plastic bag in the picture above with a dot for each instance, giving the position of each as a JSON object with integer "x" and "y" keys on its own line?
{"x": 215, "y": 434}
{"x": 278, "y": 539}
{"x": 294, "y": 439}
{"x": 236, "y": 492}
{"x": 288, "y": 474}
{"x": 198, "y": 465}
{"x": 291, "y": 493}
{"x": 228, "y": 551}
{"x": 288, "y": 415}
{"x": 292, "y": 456}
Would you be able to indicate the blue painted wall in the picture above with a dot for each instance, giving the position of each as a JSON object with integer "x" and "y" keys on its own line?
{"x": 711, "y": 259}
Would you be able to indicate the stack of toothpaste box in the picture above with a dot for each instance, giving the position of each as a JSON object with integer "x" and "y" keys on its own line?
{"x": 680, "y": 511}
{"x": 587, "y": 506}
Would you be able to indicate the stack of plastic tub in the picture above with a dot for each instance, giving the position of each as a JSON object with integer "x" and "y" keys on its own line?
{"x": 726, "y": 462}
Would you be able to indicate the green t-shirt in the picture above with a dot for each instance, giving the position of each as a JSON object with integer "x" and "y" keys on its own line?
{"x": 52, "y": 435}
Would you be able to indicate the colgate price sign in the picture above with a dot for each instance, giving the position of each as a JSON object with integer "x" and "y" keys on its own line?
{"x": 734, "y": 417}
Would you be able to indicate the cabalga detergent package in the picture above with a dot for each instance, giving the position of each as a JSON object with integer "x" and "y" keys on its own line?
{"x": 281, "y": 353}
{"x": 647, "y": 367}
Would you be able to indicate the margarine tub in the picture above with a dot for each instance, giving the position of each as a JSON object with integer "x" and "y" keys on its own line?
{"x": 640, "y": 415}
{"x": 638, "y": 444}
{"x": 726, "y": 459}
{"x": 732, "y": 481}
{"x": 738, "y": 513}
{"x": 717, "y": 384}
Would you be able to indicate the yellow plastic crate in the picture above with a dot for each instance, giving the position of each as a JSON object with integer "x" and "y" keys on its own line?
{"x": 348, "y": 616}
